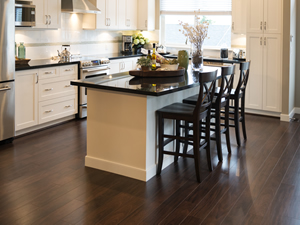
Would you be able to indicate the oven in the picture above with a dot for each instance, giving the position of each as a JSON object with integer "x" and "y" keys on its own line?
{"x": 88, "y": 69}
{"x": 24, "y": 14}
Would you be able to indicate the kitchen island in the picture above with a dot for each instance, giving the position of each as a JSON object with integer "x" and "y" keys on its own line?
{"x": 121, "y": 120}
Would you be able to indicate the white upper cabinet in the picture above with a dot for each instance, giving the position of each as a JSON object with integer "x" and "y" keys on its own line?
{"x": 112, "y": 14}
{"x": 239, "y": 17}
{"x": 48, "y": 13}
{"x": 127, "y": 14}
{"x": 264, "y": 16}
{"x": 146, "y": 15}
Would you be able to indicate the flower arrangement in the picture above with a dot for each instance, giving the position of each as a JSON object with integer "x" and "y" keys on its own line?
{"x": 144, "y": 62}
{"x": 196, "y": 35}
{"x": 139, "y": 40}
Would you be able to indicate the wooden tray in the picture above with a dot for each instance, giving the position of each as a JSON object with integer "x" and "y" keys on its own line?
{"x": 22, "y": 61}
{"x": 155, "y": 73}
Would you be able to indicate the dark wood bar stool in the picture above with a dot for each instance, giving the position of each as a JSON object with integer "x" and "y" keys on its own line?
{"x": 237, "y": 94}
{"x": 221, "y": 100}
{"x": 189, "y": 114}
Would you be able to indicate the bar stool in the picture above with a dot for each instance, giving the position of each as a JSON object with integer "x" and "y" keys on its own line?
{"x": 235, "y": 96}
{"x": 221, "y": 100}
{"x": 190, "y": 114}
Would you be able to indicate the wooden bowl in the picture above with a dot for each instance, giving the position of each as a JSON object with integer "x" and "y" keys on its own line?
{"x": 22, "y": 61}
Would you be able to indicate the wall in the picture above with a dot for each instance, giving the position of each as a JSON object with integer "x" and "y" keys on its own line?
{"x": 42, "y": 44}
{"x": 292, "y": 86}
{"x": 297, "y": 82}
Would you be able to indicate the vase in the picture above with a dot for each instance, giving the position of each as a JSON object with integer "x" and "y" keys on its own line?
{"x": 21, "y": 51}
{"x": 197, "y": 56}
{"x": 137, "y": 50}
{"x": 183, "y": 58}
{"x": 145, "y": 68}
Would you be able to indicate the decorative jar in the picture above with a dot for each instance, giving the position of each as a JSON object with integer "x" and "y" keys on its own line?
{"x": 197, "y": 56}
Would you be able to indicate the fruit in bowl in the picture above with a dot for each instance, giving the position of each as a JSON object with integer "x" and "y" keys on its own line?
{"x": 171, "y": 64}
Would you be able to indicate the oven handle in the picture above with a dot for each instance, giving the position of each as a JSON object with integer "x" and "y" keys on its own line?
{"x": 89, "y": 70}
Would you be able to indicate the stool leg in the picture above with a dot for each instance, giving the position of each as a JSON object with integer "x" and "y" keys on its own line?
{"x": 227, "y": 127}
{"x": 196, "y": 145}
{"x": 236, "y": 122}
{"x": 177, "y": 140}
{"x": 160, "y": 143}
{"x": 186, "y": 134}
{"x": 218, "y": 133}
{"x": 243, "y": 116}
{"x": 207, "y": 140}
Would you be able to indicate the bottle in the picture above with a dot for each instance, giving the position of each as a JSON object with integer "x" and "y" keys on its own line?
{"x": 21, "y": 51}
{"x": 149, "y": 55}
{"x": 153, "y": 58}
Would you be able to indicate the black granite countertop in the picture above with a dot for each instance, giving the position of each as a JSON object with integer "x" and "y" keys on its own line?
{"x": 123, "y": 82}
{"x": 42, "y": 63}
{"x": 211, "y": 59}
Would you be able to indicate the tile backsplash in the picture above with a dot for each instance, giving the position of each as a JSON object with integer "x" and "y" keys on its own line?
{"x": 42, "y": 44}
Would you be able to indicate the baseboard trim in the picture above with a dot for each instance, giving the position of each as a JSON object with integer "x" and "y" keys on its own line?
{"x": 287, "y": 117}
{"x": 264, "y": 113}
{"x": 125, "y": 170}
{"x": 40, "y": 127}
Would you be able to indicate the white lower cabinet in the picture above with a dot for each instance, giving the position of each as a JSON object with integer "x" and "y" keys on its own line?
{"x": 26, "y": 100}
{"x": 264, "y": 85}
{"x": 122, "y": 65}
{"x": 45, "y": 95}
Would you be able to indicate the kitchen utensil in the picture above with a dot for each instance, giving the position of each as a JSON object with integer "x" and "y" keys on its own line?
{"x": 65, "y": 55}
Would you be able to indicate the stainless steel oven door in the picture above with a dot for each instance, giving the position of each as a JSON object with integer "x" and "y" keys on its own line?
{"x": 85, "y": 74}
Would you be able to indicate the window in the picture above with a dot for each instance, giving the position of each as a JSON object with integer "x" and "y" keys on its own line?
{"x": 218, "y": 12}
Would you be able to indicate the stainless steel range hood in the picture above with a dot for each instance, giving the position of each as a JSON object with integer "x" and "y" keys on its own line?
{"x": 78, "y": 6}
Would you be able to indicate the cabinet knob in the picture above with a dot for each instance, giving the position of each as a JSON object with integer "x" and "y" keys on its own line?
{"x": 68, "y": 106}
{"x": 261, "y": 23}
{"x": 265, "y": 25}
{"x": 49, "y": 72}
{"x": 68, "y": 70}
{"x": 49, "y": 89}
{"x": 68, "y": 85}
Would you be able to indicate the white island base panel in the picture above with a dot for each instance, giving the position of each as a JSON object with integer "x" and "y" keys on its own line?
{"x": 122, "y": 131}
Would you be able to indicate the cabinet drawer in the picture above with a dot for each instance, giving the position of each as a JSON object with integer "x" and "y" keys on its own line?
{"x": 57, "y": 108}
{"x": 55, "y": 89}
{"x": 68, "y": 70}
{"x": 47, "y": 73}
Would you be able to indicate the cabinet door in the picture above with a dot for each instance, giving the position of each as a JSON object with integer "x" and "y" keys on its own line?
{"x": 101, "y": 18}
{"x": 239, "y": 17}
{"x": 272, "y": 73}
{"x": 127, "y": 65}
{"x": 112, "y": 14}
{"x": 26, "y": 92}
{"x": 142, "y": 15}
{"x": 272, "y": 16}
{"x": 131, "y": 14}
{"x": 255, "y": 16}
{"x": 54, "y": 13}
{"x": 255, "y": 82}
{"x": 123, "y": 21}
{"x": 41, "y": 17}
{"x": 114, "y": 66}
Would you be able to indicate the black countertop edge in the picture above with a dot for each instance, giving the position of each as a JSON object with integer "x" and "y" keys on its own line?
{"x": 39, "y": 66}
{"x": 208, "y": 59}
{"x": 125, "y": 56}
{"x": 133, "y": 91}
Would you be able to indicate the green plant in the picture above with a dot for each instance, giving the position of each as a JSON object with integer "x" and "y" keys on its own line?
{"x": 143, "y": 61}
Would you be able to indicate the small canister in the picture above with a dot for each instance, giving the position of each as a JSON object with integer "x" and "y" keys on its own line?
{"x": 224, "y": 53}
{"x": 183, "y": 58}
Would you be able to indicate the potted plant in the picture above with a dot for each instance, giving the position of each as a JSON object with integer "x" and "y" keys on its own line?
{"x": 145, "y": 63}
{"x": 138, "y": 42}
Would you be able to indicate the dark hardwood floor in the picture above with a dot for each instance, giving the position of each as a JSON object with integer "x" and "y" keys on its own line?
{"x": 43, "y": 180}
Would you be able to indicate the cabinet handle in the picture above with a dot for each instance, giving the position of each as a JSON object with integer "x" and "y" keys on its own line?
{"x": 49, "y": 111}
{"x": 265, "y": 41}
{"x": 146, "y": 23}
{"x": 47, "y": 21}
{"x": 49, "y": 72}
{"x": 49, "y": 89}
{"x": 261, "y": 25}
{"x": 68, "y": 85}
{"x": 68, "y": 106}
{"x": 261, "y": 41}
{"x": 232, "y": 25}
{"x": 68, "y": 70}
{"x": 128, "y": 22}
{"x": 265, "y": 25}
{"x": 50, "y": 20}
{"x": 37, "y": 78}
